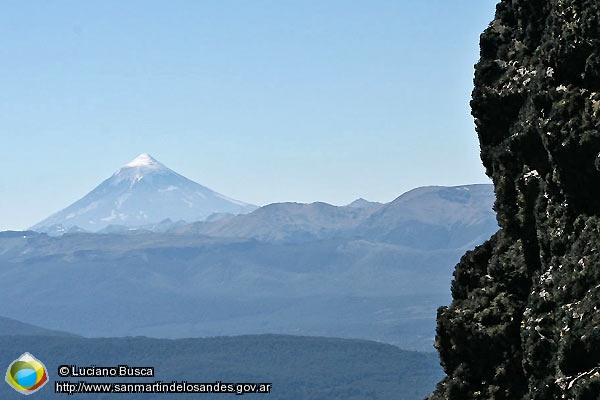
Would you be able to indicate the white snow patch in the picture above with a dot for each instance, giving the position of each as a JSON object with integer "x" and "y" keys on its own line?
{"x": 119, "y": 202}
{"x": 143, "y": 160}
{"x": 168, "y": 189}
{"x": 93, "y": 205}
{"x": 135, "y": 170}
{"x": 239, "y": 203}
{"x": 137, "y": 178}
{"x": 111, "y": 217}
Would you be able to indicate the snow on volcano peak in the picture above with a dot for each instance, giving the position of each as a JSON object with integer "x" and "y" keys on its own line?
{"x": 140, "y": 167}
{"x": 144, "y": 160}
{"x": 141, "y": 192}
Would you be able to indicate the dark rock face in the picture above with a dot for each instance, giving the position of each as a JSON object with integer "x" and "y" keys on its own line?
{"x": 524, "y": 322}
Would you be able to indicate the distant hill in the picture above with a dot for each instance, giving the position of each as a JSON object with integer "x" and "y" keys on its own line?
{"x": 206, "y": 286}
{"x": 362, "y": 203}
{"x": 9, "y": 326}
{"x": 299, "y": 368}
{"x": 434, "y": 217}
{"x": 284, "y": 221}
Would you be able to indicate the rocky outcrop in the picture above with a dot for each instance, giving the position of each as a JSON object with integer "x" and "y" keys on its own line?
{"x": 524, "y": 321}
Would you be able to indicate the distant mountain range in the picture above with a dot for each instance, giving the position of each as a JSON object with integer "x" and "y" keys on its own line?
{"x": 430, "y": 218}
{"x": 376, "y": 272}
{"x": 142, "y": 193}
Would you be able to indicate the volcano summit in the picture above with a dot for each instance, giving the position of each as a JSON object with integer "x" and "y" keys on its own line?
{"x": 142, "y": 192}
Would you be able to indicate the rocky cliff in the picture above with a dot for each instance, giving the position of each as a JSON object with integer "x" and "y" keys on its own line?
{"x": 524, "y": 320}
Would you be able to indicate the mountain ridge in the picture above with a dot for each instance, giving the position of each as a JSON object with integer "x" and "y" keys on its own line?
{"x": 406, "y": 219}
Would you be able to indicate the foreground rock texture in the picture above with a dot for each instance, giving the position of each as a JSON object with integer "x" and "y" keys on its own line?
{"x": 524, "y": 322}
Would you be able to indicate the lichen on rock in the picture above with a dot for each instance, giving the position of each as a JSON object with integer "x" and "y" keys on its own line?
{"x": 524, "y": 323}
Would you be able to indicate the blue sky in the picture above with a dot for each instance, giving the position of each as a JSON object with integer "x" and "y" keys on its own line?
{"x": 263, "y": 101}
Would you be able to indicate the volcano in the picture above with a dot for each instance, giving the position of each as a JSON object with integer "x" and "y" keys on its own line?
{"x": 141, "y": 193}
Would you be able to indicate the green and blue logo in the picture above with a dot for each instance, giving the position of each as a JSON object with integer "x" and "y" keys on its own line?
{"x": 26, "y": 374}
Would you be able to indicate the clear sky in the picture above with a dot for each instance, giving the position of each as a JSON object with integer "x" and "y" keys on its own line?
{"x": 263, "y": 101}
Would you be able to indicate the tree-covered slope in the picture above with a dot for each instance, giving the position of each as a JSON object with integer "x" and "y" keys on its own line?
{"x": 298, "y": 367}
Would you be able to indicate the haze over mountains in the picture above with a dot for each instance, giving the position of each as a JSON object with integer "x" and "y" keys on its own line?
{"x": 142, "y": 192}
{"x": 366, "y": 270}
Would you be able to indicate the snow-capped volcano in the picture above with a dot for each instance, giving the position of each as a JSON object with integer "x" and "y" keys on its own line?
{"x": 143, "y": 166}
{"x": 142, "y": 192}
